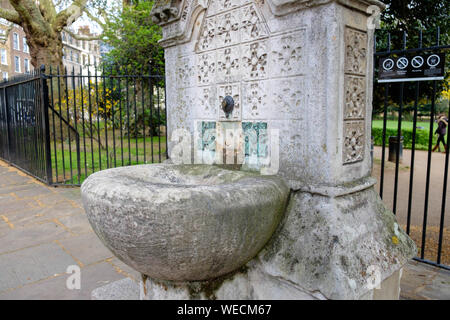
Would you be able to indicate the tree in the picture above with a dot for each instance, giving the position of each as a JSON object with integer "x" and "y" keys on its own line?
{"x": 134, "y": 38}
{"x": 43, "y": 21}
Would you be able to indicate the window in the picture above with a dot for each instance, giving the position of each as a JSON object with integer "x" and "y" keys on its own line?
{"x": 84, "y": 60}
{"x": 71, "y": 55}
{"x": 64, "y": 37}
{"x": 77, "y": 57}
{"x": 5, "y": 75}
{"x": 26, "y": 49}
{"x": 3, "y": 57}
{"x": 26, "y": 63}
{"x": 17, "y": 64}
{"x": 16, "y": 41}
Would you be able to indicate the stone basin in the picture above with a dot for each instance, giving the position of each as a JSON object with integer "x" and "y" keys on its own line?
{"x": 184, "y": 222}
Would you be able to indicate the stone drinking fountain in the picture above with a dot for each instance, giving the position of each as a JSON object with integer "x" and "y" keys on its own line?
{"x": 282, "y": 91}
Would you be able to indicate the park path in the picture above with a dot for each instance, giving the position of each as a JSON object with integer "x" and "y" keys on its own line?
{"x": 44, "y": 230}
{"x": 418, "y": 197}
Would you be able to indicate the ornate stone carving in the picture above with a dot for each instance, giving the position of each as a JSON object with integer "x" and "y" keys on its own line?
{"x": 287, "y": 57}
{"x": 206, "y": 67}
{"x": 163, "y": 11}
{"x": 228, "y": 64}
{"x": 234, "y": 91}
{"x": 355, "y": 98}
{"x": 255, "y": 60}
{"x": 206, "y": 98}
{"x": 252, "y": 26}
{"x": 354, "y": 142}
{"x": 287, "y": 96}
{"x": 218, "y": 6}
{"x": 255, "y": 100}
{"x": 228, "y": 29}
{"x": 355, "y": 95}
{"x": 356, "y": 51}
{"x": 186, "y": 71}
{"x": 207, "y": 35}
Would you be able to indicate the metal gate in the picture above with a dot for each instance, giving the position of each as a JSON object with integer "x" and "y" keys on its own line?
{"x": 416, "y": 189}
{"x": 24, "y": 126}
{"x": 62, "y": 126}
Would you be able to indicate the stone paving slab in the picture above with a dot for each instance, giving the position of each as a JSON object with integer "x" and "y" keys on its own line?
{"x": 87, "y": 248}
{"x": 43, "y": 231}
{"x": 29, "y": 265}
{"x": 425, "y": 282}
{"x": 55, "y": 288}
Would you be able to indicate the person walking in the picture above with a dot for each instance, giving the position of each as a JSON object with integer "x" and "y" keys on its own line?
{"x": 441, "y": 131}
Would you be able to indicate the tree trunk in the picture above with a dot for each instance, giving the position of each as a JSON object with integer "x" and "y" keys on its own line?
{"x": 48, "y": 52}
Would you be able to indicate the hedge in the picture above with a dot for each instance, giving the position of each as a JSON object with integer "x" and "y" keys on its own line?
{"x": 421, "y": 137}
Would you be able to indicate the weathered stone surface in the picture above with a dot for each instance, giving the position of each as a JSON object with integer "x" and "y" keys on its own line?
{"x": 334, "y": 245}
{"x": 186, "y": 222}
{"x": 325, "y": 248}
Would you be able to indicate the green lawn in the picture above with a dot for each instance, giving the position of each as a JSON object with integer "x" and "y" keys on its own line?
{"x": 422, "y": 133}
{"x": 93, "y": 158}
{"x": 393, "y": 124}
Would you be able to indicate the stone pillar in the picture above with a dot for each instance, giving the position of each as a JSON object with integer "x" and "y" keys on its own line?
{"x": 303, "y": 69}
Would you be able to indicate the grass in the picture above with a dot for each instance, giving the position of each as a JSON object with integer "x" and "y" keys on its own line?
{"x": 94, "y": 158}
{"x": 422, "y": 135}
{"x": 393, "y": 124}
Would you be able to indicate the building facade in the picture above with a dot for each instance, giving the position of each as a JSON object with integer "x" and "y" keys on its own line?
{"x": 81, "y": 55}
{"x": 20, "y": 59}
{"x": 78, "y": 56}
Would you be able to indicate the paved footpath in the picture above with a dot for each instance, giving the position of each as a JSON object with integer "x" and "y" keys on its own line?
{"x": 44, "y": 230}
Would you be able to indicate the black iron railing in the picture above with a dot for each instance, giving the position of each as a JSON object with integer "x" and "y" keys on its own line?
{"x": 433, "y": 248}
{"x": 62, "y": 126}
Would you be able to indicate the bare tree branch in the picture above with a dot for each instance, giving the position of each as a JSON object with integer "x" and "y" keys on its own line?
{"x": 67, "y": 16}
{"x": 84, "y": 38}
{"x": 10, "y": 15}
{"x": 94, "y": 18}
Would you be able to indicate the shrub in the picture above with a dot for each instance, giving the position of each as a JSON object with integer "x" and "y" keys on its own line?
{"x": 421, "y": 137}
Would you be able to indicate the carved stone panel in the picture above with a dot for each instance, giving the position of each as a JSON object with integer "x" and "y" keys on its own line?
{"x": 288, "y": 97}
{"x": 228, "y": 64}
{"x": 255, "y": 100}
{"x": 287, "y": 54}
{"x": 186, "y": 71}
{"x": 354, "y": 141}
{"x": 356, "y": 51}
{"x": 207, "y": 35}
{"x": 355, "y": 97}
{"x": 227, "y": 32}
{"x": 355, "y": 103}
{"x": 218, "y": 6}
{"x": 252, "y": 25}
{"x": 206, "y": 68}
{"x": 206, "y": 101}
{"x": 254, "y": 60}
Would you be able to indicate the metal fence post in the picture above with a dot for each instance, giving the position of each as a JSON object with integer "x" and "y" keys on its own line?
{"x": 45, "y": 102}
{"x": 8, "y": 138}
